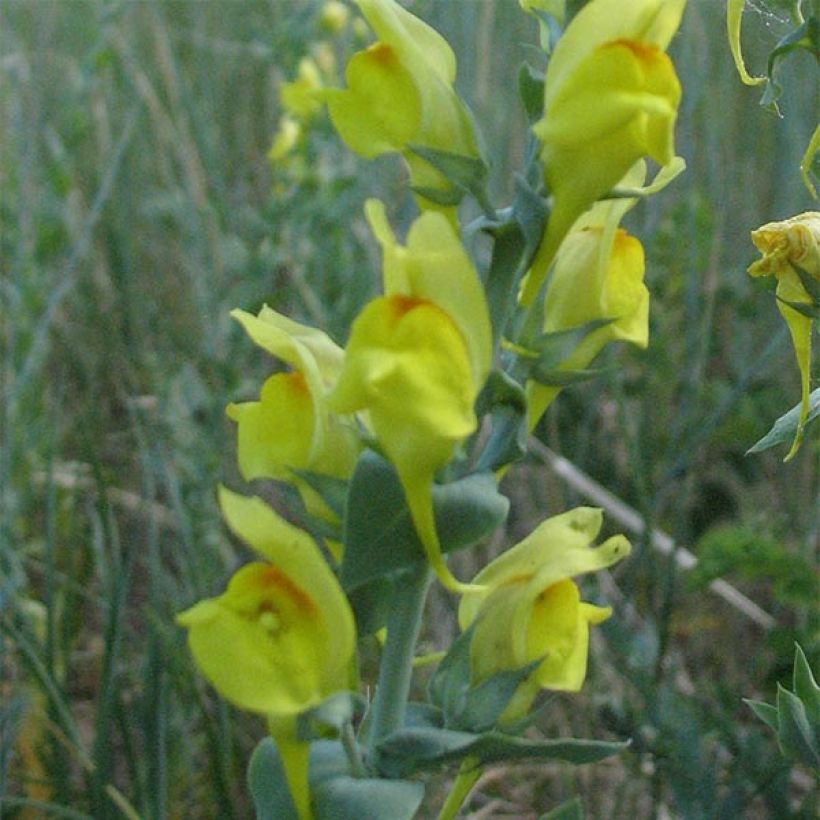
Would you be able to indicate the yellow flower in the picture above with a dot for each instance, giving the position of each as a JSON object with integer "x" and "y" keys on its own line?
{"x": 333, "y": 16}
{"x": 400, "y": 93}
{"x": 300, "y": 98}
{"x": 416, "y": 360}
{"x": 611, "y": 97}
{"x": 290, "y": 427}
{"x": 285, "y": 139}
{"x": 784, "y": 245}
{"x": 281, "y": 638}
{"x": 598, "y": 274}
{"x": 528, "y": 607}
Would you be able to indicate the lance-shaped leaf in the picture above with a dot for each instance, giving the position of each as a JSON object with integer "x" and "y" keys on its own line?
{"x": 784, "y": 429}
{"x": 795, "y": 716}
{"x": 414, "y": 750}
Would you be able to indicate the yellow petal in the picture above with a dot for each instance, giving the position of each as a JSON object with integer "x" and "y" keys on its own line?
{"x": 261, "y": 643}
{"x": 303, "y": 347}
{"x": 285, "y": 139}
{"x": 784, "y": 245}
{"x": 558, "y": 548}
{"x": 333, "y": 16}
{"x": 653, "y": 22}
{"x": 407, "y": 364}
{"x": 790, "y": 289}
{"x": 400, "y": 94}
{"x": 633, "y": 93}
{"x": 277, "y": 432}
{"x": 365, "y": 120}
{"x": 527, "y": 606}
{"x": 554, "y": 630}
{"x": 598, "y": 274}
{"x": 418, "y": 45}
{"x": 300, "y": 98}
{"x": 434, "y": 266}
{"x": 296, "y": 555}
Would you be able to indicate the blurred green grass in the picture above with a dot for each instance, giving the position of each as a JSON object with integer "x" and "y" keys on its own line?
{"x": 137, "y": 209}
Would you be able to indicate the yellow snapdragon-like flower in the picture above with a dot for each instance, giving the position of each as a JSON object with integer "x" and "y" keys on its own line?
{"x": 400, "y": 93}
{"x": 416, "y": 360}
{"x": 334, "y": 16}
{"x": 611, "y": 97}
{"x": 528, "y": 607}
{"x": 300, "y": 97}
{"x": 785, "y": 245}
{"x": 290, "y": 427}
{"x": 285, "y": 139}
{"x": 281, "y": 638}
{"x": 598, "y": 274}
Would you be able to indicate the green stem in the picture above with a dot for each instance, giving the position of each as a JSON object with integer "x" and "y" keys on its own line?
{"x": 351, "y": 747}
{"x": 465, "y": 780}
{"x": 396, "y": 667}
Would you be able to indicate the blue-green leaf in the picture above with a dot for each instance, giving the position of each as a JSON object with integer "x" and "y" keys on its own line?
{"x": 268, "y": 785}
{"x": 448, "y": 686}
{"x": 805, "y": 686}
{"x": 413, "y": 750}
{"x": 380, "y": 538}
{"x": 504, "y": 400}
{"x": 765, "y": 711}
{"x": 467, "y": 174}
{"x": 798, "y": 739}
{"x": 785, "y": 428}
{"x": 485, "y": 703}
{"x": 531, "y": 91}
{"x": 349, "y": 798}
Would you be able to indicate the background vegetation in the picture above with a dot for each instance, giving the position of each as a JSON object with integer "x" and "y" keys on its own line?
{"x": 137, "y": 207}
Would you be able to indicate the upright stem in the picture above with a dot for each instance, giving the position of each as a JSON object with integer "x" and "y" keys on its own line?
{"x": 396, "y": 667}
{"x": 464, "y": 782}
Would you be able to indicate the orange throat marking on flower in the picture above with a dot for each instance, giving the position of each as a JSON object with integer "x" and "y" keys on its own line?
{"x": 297, "y": 383}
{"x": 646, "y": 54}
{"x": 383, "y": 53}
{"x": 274, "y": 584}
{"x": 399, "y": 306}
